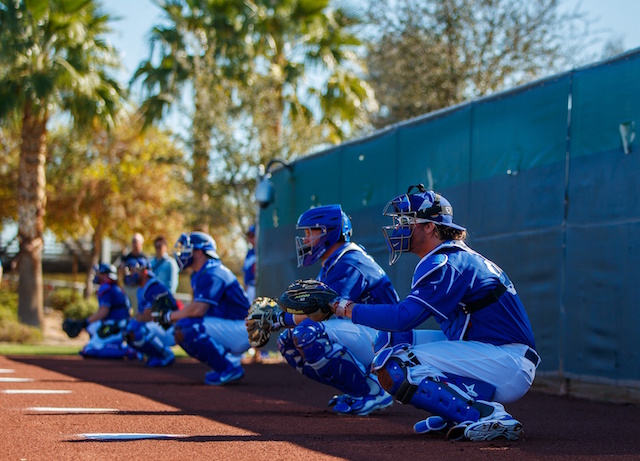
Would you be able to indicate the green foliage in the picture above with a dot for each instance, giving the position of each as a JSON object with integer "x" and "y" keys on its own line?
{"x": 81, "y": 308}
{"x": 8, "y": 305}
{"x": 9, "y": 152}
{"x": 253, "y": 96}
{"x": 38, "y": 349}
{"x": 15, "y": 332}
{"x": 11, "y": 331}
{"x": 114, "y": 184}
{"x": 60, "y": 298}
{"x": 424, "y": 55}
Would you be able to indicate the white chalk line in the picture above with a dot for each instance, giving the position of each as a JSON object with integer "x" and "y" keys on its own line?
{"x": 35, "y": 391}
{"x": 129, "y": 436}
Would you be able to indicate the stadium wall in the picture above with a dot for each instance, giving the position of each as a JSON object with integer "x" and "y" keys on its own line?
{"x": 545, "y": 178}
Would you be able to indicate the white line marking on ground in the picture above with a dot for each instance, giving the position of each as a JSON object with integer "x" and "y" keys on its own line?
{"x": 6, "y": 370}
{"x": 72, "y": 410}
{"x": 15, "y": 380}
{"x": 35, "y": 391}
{"x": 129, "y": 436}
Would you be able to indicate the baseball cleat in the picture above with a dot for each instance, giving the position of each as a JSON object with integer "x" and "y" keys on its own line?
{"x": 508, "y": 428}
{"x": 157, "y": 362}
{"x": 360, "y": 406}
{"x": 457, "y": 432}
{"x": 337, "y": 399}
{"x": 433, "y": 424}
{"x": 217, "y": 378}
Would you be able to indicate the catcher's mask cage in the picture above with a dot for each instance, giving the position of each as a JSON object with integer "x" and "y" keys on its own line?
{"x": 409, "y": 209}
{"x": 187, "y": 243}
{"x": 133, "y": 267}
{"x": 333, "y": 224}
{"x": 105, "y": 269}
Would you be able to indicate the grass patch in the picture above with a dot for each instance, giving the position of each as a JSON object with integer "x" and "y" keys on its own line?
{"x": 10, "y": 329}
{"x": 37, "y": 349}
{"x": 41, "y": 349}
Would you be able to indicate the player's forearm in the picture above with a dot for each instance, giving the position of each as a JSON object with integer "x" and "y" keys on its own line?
{"x": 194, "y": 309}
{"x": 387, "y": 317}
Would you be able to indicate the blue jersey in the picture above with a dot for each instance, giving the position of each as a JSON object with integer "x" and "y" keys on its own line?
{"x": 249, "y": 268}
{"x": 218, "y": 287}
{"x": 111, "y": 296}
{"x": 166, "y": 270}
{"x": 151, "y": 291}
{"x": 355, "y": 275}
{"x": 444, "y": 282}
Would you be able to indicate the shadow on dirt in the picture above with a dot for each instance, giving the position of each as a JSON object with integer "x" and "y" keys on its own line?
{"x": 278, "y": 404}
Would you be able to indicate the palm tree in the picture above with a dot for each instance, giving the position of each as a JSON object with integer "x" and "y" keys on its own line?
{"x": 53, "y": 62}
{"x": 200, "y": 46}
{"x": 310, "y": 49}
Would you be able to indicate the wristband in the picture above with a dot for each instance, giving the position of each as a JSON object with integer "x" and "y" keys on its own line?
{"x": 340, "y": 306}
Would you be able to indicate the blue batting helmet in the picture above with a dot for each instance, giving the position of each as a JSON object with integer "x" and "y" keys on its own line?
{"x": 333, "y": 223}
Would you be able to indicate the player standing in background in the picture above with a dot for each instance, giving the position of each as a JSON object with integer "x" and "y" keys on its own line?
{"x": 136, "y": 250}
{"x": 164, "y": 266}
{"x": 211, "y": 327}
{"x": 106, "y": 325}
{"x": 485, "y": 354}
{"x": 337, "y": 352}
{"x": 249, "y": 266}
{"x": 142, "y": 333}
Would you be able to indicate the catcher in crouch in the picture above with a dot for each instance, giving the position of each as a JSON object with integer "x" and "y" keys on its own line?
{"x": 484, "y": 353}
{"x": 143, "y": 333}
{"x": 106, "y": 325}
{"x": 335, "y": 352}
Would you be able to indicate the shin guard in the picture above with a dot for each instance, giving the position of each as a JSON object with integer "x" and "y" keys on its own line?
{"x": 192, "y": 337}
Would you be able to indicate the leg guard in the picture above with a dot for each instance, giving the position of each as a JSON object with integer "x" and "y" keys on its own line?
{"x": 330, "y": 363}
{"x": 439, "y": 398}
{"x": 141, "y": 339}
{"x": 107, "y": 341}
{"x": 289, "y": 351}
{"x": 192, "y": 337}
{"x": 476, "y": 389}
{"x": 108, "y": 351}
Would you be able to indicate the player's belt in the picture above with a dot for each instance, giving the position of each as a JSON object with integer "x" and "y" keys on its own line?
{"x": 532, "y": 356}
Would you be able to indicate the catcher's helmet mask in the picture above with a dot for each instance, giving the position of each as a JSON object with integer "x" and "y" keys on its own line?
{"x": 188, "y": 243}
{"x": 333, "y": 224}
{"x": 406, "y": 210}
{"x": 105, "y": 269}
{"x": 133, "y": 267}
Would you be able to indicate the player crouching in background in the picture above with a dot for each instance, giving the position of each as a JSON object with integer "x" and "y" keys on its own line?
{"x": 211, "y": 327}
{"x": 143, "y": 333}
{"x": 106, "y": 326}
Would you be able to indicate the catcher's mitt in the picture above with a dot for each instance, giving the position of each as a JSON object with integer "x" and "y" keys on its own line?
{"x": 73, "y": 327}
{"x": 307, "y": 297}
{"x": 160, "y": 308}
{"x": 264, "y": 317}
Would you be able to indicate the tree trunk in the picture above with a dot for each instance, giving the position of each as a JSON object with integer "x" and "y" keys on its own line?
{"x": 31, "y": 209}
{"x": 96, "y": 251}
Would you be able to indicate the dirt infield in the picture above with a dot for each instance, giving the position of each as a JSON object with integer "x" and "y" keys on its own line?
{"x": 272, "y": 414}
